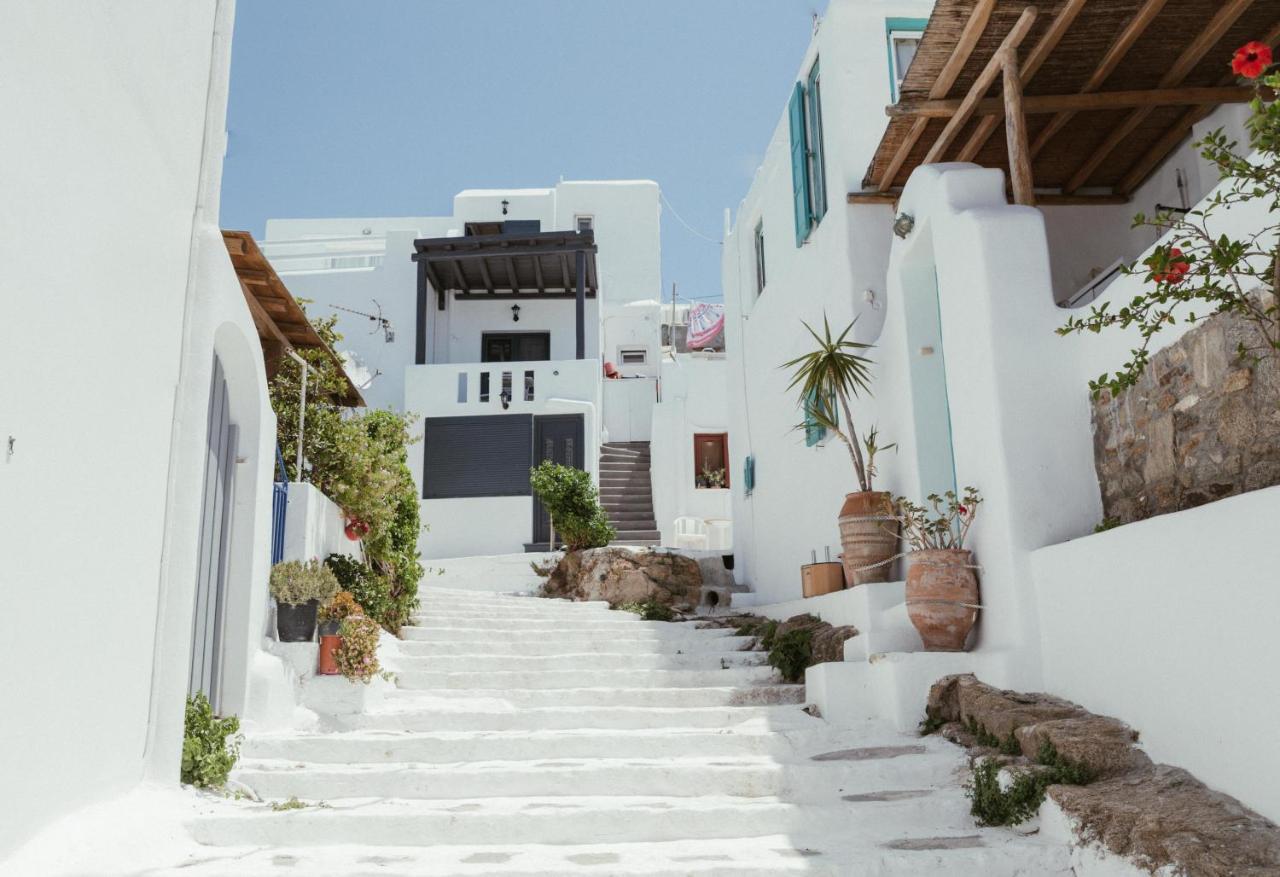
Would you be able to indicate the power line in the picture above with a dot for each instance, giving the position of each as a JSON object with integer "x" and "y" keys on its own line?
{"x": 680, "y": 218}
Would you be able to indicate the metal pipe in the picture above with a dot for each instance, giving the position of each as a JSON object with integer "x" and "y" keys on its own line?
{"x": 302, "y": 411}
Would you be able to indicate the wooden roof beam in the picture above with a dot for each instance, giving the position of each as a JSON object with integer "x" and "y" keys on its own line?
{"x": 1044, "y": 199}
{"x": 1035, "y": 61}
{"x": 1115, "y": 54}
{"x": 568, "y": 275}
{"x": 433, "y": 276}
{"x": 969, "y": 37}
{"x": 1101, "y": 100}
{"x": 537, "y": 274}
{"x": 988, "y": 75}
{"x": 1205, "y": 40}
{"x": 458, "y": 276}
{"x": 510, "y": 265}
{"x": 484, "y": 274}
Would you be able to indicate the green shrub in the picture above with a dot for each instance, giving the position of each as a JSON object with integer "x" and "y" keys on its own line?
{"x": 992, "y": 805}
{"x": 790, "y": 653}
{"x": 767, "y": 632}
{"x": 295, "y": 583}
{"x": 374, "y": 591}
{"x": 210, "y": 745}
{"x": 574, "y": 505}
{"x": 650, "y": 610}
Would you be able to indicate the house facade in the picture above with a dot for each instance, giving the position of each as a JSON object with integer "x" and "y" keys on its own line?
{"x": 494, "y": 326}
{"x": 905, "y": 226}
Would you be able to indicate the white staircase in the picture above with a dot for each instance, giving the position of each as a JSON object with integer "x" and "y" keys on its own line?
{"x": 531, "y": 736}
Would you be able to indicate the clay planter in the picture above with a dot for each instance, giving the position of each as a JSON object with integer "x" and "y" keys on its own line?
{"x": 869, "y": 535}
{"x": 296, "y": 624}
{"x": 328, "y": 665}
{"x": 356, "y": 530}
{"x": 939, "y": 581}
{"x": 330, "y": 628}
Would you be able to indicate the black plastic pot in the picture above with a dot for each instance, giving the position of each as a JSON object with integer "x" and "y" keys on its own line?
{"x": 296, "y": 624}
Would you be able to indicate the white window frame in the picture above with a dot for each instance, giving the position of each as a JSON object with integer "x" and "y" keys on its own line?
{"x": 577, "y": 222}
{"x": 629, "y": 349}
{"x": 895, "y": 75}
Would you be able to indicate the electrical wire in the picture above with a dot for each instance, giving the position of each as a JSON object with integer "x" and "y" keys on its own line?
{"x": 692, "y": 230}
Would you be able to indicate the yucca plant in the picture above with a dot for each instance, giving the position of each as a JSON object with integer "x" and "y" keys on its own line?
{"x": 829, "y": 376}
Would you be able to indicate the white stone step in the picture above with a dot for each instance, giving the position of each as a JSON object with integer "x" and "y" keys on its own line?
{"x": 607, "y": 645}
{"x": 845, "y": 854}
{"x": 516, "y": 609}
{"x": 582, "y": 678}
{"x": 442, "y": 714}
{"x": 595, "y": 661}
{"x": 729, "y": 695}
{"x": 668, "y": 636}
{"x": 567, "y": 819}
{"x": 382, "y": 747}
{"x": 741, "y": 776}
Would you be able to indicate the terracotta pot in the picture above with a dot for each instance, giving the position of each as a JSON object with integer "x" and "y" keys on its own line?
{"x": 942, "y": 590}
{"x": 328, "y": 663}
{"x": 869, "y": 537}
{"x": 356, "y": 530}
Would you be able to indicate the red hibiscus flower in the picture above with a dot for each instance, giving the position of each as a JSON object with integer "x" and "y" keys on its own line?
{"x": 1174, "y": 269}
{"x": 1251, "y": 60}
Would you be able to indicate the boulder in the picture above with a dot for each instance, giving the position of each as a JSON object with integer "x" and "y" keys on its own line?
{"x": 826, "y": 641}
{"x": 621, "y": 575}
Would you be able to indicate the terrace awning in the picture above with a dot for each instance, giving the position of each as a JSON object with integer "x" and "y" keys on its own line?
{"x": 513, "y": 267}
{"x": 1094, "y": 94}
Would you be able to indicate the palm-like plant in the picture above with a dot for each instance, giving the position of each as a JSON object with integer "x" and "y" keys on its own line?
{"x": 829, "y": 376}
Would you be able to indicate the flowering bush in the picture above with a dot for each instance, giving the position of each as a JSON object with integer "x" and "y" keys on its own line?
{"x": 943, "y": 525}
{"x": 357, "y": 656}
{"x": 343, "y": 605}
{"x": 1199, "y": 267}
{"x": 294, "y": 583}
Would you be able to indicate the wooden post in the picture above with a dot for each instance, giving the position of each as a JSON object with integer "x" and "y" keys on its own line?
{"x": 580, "y": 305}
{"x": 420, "y": 335}
{"x": 1015, "y": 128}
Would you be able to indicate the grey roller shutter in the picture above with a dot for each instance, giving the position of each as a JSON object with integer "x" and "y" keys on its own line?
{"x": 489, "y": 455}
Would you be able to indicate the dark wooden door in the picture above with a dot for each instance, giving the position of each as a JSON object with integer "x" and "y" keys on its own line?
{"x": 515, "y": 347}
{"x": 559, "y": 438}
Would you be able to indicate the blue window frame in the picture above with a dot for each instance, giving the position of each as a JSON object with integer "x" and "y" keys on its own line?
{"x": 902, "y": 37}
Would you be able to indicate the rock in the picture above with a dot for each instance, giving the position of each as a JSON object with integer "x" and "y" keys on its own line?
{"x": 620, "y": 575}
{"x": 826, "y": 641}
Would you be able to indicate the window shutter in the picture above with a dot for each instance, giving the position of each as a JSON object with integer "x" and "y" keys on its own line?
{"x": 799, "y": 174}
{"x": 749, "y": 475}
{"x": 814, "y": 432}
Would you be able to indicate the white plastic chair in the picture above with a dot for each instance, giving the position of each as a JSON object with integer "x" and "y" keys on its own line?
{"x": 691, "y": 533}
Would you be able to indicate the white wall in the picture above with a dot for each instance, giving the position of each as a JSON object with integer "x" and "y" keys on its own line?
{"x": 1169, "y": 623}
{"x": 108, "y": 403}
{"x": 314, "y": 526}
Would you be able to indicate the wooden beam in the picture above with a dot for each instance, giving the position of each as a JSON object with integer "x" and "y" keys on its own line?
{"x": 420, "y": 317}
{"x": 518, "y": 296}
{"x": 1181, "y": 129}
{"x": 979, "y": 89}
{"x": 969, "y": 37}
{"x": 432, "y": 275}
{"x": 511, "y": 274}
{"x": 564, "y": 267}
{"x": 1043, "y": 104}
{"x": 1044, "y": 199}
{"x": 1115, "y": 54}
{"x": 453, "y": 255}
{"x": 537, "y": 274}
{"x": 458, "y": 276}
{"x": 1015, "y": 123}
{"x": 484, "y": 273}
{"x": 262, "y": 320}
{"x": 1035, "y": 61}
{"x": 1205, "y": 40}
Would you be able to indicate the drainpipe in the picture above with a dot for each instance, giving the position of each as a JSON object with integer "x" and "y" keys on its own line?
{"x": 302, "y": 408}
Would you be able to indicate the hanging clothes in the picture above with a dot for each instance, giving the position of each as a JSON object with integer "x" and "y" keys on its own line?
{"x": 706, "y": 322}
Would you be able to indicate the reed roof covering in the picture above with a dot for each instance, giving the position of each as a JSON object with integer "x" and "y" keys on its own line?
{"x": 1133, "y": 75}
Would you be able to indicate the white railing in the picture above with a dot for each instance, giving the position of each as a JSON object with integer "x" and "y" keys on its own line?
{"x": 455, "y": 389}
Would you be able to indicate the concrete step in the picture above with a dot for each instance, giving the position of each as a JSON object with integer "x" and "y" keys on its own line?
{"x": 606, "y": 621}
{"x": 636, "y": 543}
{"x": 596, "y": 661}
{"x": 974, "y": 853}
{"x": 638, "y": 535}
{"x": 612, "y": 696}
{"x": 625, "y": 503}
{"x": 680, "y": 776}
{"x": 674, "y": 637}
{"x": 605, "y": 647}
{"x": 369, "y": 746}
{"x": 407, "y": 711}
{"x": 582, "y": 678}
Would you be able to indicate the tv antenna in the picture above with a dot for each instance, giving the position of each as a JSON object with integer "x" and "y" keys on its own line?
{"x": 380, "y": 322}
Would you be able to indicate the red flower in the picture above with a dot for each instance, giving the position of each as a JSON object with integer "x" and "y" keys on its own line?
{"x": 1169, "y": 267}
{"x": 962, "y": 510}
{"x": 1251, "y": 60}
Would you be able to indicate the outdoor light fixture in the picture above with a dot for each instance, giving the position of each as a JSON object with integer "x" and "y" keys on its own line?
{"x": 505, "y": 204}
{"x": 515, "y": 313}
{"x": 903, "y": 224}
{"x": 505, "y": 396}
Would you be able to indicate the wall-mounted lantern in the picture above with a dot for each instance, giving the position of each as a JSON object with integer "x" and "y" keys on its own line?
{"x": 505, "y": 205}
{"x": 903, "y": 224}
{"x": 515, "y": 313}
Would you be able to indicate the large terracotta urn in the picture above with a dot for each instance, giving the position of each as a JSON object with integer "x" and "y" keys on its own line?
{"x": 942, "y": 597}
{"x": 869, "y": 537}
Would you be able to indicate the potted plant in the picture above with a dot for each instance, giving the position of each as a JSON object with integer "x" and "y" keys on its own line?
{"x": 827, "y": 378}
{"x": 298, "y": 589}
{"x": 710, "y": 478}
{"x": 357, "y": 656}
{"x": 942, "y": 589}
{"x": 355, "y": 529}
{"x": 331, "y": 616}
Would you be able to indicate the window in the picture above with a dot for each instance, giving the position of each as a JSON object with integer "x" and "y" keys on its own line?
{"x": 808, "y": 163}
{"x": 760, "y": 275}
{"x": 633, "y": 355}
{"x": 711, "y": 460}
{"x": 515, "y": 346}
{"x": 583, "y": 222}
{"x": 903, "y": 35}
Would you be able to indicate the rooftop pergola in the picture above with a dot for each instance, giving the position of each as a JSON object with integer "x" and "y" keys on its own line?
{"x": 281, "y": 323}
{"x": 1094, "y": 94}
{"x": 507, "y": 267}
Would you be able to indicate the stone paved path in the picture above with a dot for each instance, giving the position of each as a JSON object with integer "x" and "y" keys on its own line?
{"x": 531, "y": 736}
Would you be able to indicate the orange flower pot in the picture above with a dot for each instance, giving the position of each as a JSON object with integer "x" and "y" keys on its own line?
{"x": 328, "y": 663}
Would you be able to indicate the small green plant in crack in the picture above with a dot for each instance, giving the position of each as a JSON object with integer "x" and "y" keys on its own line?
{"x": 650, "y": 610}
{"x": 292, "y": 804}
{"x": 992, "y": 805}
{"x": 1010, "y": 745}
{"x": 791, "y": 654}
{"x": 931, "y": 725}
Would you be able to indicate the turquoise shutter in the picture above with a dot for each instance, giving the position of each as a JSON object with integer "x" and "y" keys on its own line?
{"x": 814, "y": 432}
{"x": 799, "y": 176}
{"x": 749, "y": 475}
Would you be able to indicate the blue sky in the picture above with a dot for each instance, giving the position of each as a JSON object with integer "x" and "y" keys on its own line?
{"x": 389, "y": 107}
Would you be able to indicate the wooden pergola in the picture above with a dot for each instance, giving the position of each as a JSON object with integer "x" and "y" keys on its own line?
{"x": 281, "y": 323}
{"x": 1094, "y": 94}
{"x": 507, "y": 267}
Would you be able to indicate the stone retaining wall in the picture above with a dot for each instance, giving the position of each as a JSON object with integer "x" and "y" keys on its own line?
{"x": 1201, "y": 424}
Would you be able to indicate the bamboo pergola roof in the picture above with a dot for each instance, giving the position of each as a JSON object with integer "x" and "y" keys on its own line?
{"x": 1109, "y": 88}
{"x": 282, "y": 324}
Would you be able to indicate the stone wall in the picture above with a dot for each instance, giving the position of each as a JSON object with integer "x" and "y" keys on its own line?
{"x": 1201, "y": 424}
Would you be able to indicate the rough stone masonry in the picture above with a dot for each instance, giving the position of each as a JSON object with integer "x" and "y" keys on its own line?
{"x": 1200, "y": 424}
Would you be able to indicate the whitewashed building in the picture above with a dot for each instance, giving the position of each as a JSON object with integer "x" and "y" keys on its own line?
{"x": 970, "y": 379}
{"x": 476, "y": 323}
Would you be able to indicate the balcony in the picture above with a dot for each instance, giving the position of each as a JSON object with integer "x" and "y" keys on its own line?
{"x": 468, "y": 389}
